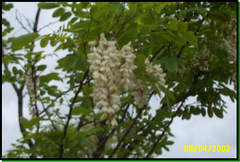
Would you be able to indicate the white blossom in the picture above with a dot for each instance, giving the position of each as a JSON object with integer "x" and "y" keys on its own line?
{"x": 112, "y": 69}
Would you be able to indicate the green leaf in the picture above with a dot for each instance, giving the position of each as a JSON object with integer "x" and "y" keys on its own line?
{"x": 58, "y": 12}
{"x": 81, "y": 64}
{"x": 190, "y": 37}
{"x": 74, "y": 19}
{"x": 167, "y": 98}
{"x": 203, "y": 111}
{"x": 79, "y": 77}
{"x": 53, "y": 41}
{"x": 51, "y": 76}
{"x": 133, "y": 32}
{"x": 80, "y": 137}
{"x": 210, "y": 112}
{"x": 23, "y": 120}
{"x": 72, "y": 144}
{"x": 165, "y": 35}
{"x": 85, "y": 4}
{"x": 65, "y": 16}
{"x": 15, "y": 71}
{"x": 23, "y": 40}
{"x": 182, "y": 27}
{"x": 132, "y": 5}
{"x": 166, "y": 148}
{"x": 171, "y": 63}
{"x": 71, "y": 133}
{"x": 144, "y": 30}
{"x": 100, "y": 4}
{"x": 82, "y": 14}
{"x": 171, "y": 95}
{"x": 172, "y": 25}
{"x": 32, "y": 122}
{"x": 218, "y": 112}
{"x": 169, "y": 143}
{"x": 44, "y": 41}
{"x": 176, "y": 38}
{"x": 78, "y": 99}
{"x": 7, "y": 7}
{"x": 80, "y": 110}
{"x": 158, "y": 9}
{"x": 41, "y": 67}
{"x": 47, "y": 5}
{"x": 69, "y": 62}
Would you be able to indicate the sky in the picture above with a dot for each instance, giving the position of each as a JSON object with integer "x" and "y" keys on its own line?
{"x": 196, "y": 131}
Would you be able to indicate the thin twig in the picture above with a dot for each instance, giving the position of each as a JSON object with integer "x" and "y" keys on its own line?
{"x": 49, "y": 116}
{"x": 155, "y": 54}
{"x": 20, "y": 22}
{"x": 60, "y": 95}
{"x": 116, "y": 21}
{"x": 124, "y": 24}
{"x": 47, "y": 25}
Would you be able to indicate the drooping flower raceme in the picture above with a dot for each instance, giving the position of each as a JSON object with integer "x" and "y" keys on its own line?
{"x": 230, "y": 43}
{"x": 200, "y": 59}
{"x": 30, "y": 84}
{"x": 112, "y": 69}
{"x": 30, "y": 87}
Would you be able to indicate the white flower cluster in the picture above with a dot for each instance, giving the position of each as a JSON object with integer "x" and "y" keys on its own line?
{"x": 30, "y": 84}
{"x": 157, "y": 71}
{"x": 200, "y": 59}
{"x": 230, "y": 43}
{"x": 31, "y": 89}
{"x": 111, "y": 70}
{"x": 76, "y": 45}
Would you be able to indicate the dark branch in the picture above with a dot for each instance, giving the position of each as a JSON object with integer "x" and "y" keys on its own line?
{"x": 180, "y": 51}
{"x": 116, "y": 21}
{"x": 128, "y": 130}
{"x": 70, "y": 113}
{"x": 47, "y": 25}
{"x": 155, "y": 54}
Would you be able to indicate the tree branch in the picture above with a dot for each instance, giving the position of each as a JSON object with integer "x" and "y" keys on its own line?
{"x": 47, "y": 25}
{"x": 160, "y": 137}
{"x": 6, "y": 67}
{"x": 184, "y": 98}
{"x": 70, "y": 113}
{"x": 116, "y": 21}
{"x": 180, "y": 51}
{"x": 128, "y": 130}
{"x": 155, "y": 54}
{"x": 20, "y": 22}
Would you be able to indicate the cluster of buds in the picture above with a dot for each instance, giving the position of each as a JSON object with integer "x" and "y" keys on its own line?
{"x": 230, "y": 43}
{"x": 140, "y": 91}
{"x": 200, "y": 59}
{"x": 157, "y": 71}
{"x": 112, "y": 69}
{"x": 76, "y": 45}
{"x": 30, "y": 86}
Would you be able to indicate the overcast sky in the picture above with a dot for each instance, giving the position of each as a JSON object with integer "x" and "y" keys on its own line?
{"x": 196, "y": 131}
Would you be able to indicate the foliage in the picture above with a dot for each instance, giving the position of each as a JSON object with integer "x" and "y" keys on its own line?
{"x": 186, "y": 38}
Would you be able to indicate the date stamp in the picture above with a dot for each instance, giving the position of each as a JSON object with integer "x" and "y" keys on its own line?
{"x": 211, "y": 148}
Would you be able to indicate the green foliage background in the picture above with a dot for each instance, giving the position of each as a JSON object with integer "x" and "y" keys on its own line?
{"x": 166, "y": 33}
